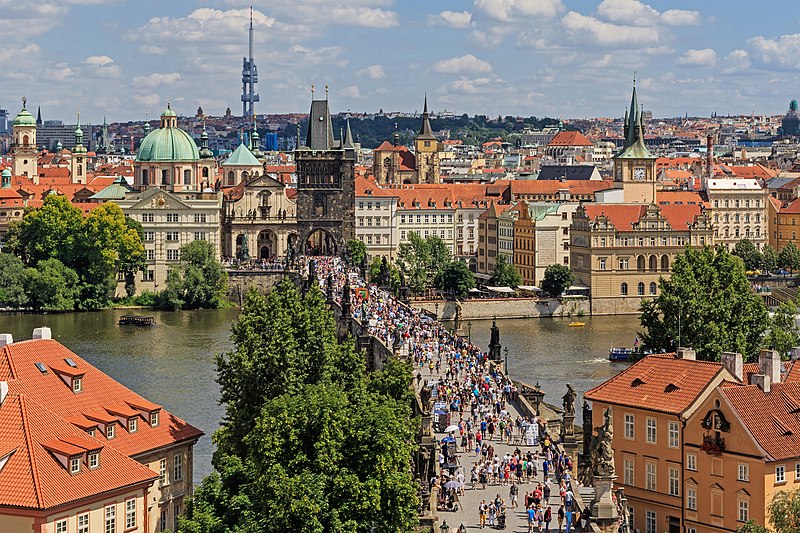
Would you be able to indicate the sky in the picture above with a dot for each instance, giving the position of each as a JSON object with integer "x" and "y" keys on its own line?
{"x": 557, "y": 58}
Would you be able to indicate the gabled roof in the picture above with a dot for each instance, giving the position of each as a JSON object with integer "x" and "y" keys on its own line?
{"x": 242, "y": 157}
{"x": 662, "y": 382}
{"x": 570, "y": 138}
{"x": 625, "y": 216}
{"x": 551, "y": 187}
{"x": 115, "y": 191}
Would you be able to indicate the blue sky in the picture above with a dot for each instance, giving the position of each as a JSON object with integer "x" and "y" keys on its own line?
{"x": 560, "y": 58}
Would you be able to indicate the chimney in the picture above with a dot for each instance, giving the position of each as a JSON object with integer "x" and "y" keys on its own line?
{"x": 795, "y": 353}
{"x": 687, "y": 353}
{"x": 3, "y": 391}
{"x": 6, "y": 339}
{"x": 769, "y": 364}
{"x": 733, "y": 363}
{"x": 762, "y": 381}
{"x": 42, "y": 333}
{"x": 709, "y": 155}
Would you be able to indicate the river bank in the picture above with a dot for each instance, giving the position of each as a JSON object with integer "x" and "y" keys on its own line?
{"x": 489, "y": 308}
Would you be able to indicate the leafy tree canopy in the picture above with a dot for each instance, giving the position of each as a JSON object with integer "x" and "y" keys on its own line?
{"x": 505, "y": 273}
{"x": 789, "y": 257}
{"x": 455, "y": 278}
{"x": 356, "y": 252}
{"x": 784, "y": 511}
{"x": 198, "y": 281}
{"x": 12, "y": 281}
{"x": 747, "y": 251}
{"x": 51, "y": 286}
{"x": 783, "y": 332}
{"x": 556, "y": 279}
{"x": 769, "y": 258}
{"x": 709, "y": 298}
{"x": 420, "y": 260}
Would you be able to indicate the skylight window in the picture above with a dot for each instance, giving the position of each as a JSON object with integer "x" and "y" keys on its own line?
{"x": 70, "y": 362}
{"x": 41, "y": 367}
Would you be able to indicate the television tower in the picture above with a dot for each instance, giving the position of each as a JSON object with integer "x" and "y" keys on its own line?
{"x": 249, "y": 78}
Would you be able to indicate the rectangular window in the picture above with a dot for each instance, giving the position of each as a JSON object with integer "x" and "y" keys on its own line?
{"x": 149, "y": 235}
{"x": 151, "y": 255}
{"x": 673, "y": 435}
{"x": 172, "y": 235}
{"x": 173, "y": 255}
{"x": 74, "y": 464}
{"x": 628, "y": 472}
{"x": 200, "y": 218}
{"x": 629, "y": 426}
{"x": 797, "y": 471}
{"x": 133, "y": 424}
{"x": 602, "y": 263}
{"x": 651, "y": 476}
{"x": 691, "y": 499}
{"x": 177, "y": 511}
{"x": 130, "y": 513}
{"x": 403, "y": 235}
{"x": 199, "y": 235}
{"x": 402, "y": 219}
{"x": 177, "y": 467}
{"x": 162, "y": 522}
{"x": 744, "y": 472}
{"x": 154, "y": 418}
{"x": 110, "y": 430}
{"x": 651, "y": 430}
{"x": 744, "y": 511}
{"x": 780, "y": 474}
{"x": 691, "y": 462}
{"x": 147, "y": 217}
{"x": 674, "y": 489}
{"x": 94, "y": 460}
{"x": 172, "y": 217}
{"x": 77, "y": 384}
{"x": 83, "y": 523}
{"x": 162, "y": 472}
{"x": 650, "y": 522}
{"x": 111, "y": 519}
{"x": 61, "y": 526}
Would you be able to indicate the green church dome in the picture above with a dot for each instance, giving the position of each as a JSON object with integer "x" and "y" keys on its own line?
{"x": 169, "y": 142}
{"x": 24, "y": 118}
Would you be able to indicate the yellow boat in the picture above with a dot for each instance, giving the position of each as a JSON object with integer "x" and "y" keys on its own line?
{"x": 576, "y": 324}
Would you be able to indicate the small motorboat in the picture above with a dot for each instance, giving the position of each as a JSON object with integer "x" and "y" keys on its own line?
{"x": 620, "y": 354}
{"x": 577, "y": 324}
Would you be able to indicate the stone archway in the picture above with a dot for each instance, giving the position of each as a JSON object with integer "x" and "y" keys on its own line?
{"x": 267, "y": 242}
{"x": 320, "y": 242}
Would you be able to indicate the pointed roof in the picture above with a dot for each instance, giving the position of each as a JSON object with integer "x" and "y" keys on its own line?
{"x": 320, "y": 127}
{"x": 242, "y": 157}
{"x": 426, "y": 132}
{"x": 347, "y": 142}
{"x": 633, "y": 118}
{"x": 39, "y": 116}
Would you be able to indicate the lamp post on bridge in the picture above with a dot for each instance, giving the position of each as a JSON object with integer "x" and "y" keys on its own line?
{"x": 469, "y": 331}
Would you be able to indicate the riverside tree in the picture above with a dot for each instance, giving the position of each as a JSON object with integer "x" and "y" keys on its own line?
{"x": 505, "y": 273}
{"x": 198, "y": 281}
{"x": 747, "y": 251}
{"x": 309, "y": 441}
{"x": 420, "y": 260}
{"x": 556, "y": 279}
{"x": 455, "y": 278}
{"x": 710, "y": 300}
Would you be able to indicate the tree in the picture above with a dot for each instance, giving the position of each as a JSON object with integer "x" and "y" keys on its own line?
{"x": 12, "y": 281}
{"x": 309, "y": 442}
{"x": 789, "y": 257}
{"x": 784, "y": 511}
{"x": 752, "y": 527}
{"x": 455, "y": 278}
{"x": 132, "y": 259}
{"x": 747, "y": 251}
{"x": 709, "y": 296}
{"x": 52, "y": 231}
{"x": 769, "y": 258}
{"x": 51, "y": 286}
{"x": 198, "y": 281}
{"x": 783, "y": 332}
{"x": 356, "y": 251}
{"x": 505, "y": 273}
{"x": 421, "y": 259}
{"x": 556, "y": 279}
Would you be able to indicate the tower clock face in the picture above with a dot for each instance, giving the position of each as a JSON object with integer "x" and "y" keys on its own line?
{"x": 638, "y": 173}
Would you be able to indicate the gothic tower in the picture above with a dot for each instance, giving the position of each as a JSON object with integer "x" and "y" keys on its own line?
{"x": 634, "y": 165}
{"x": 24, "y": 153}
{"x": 77, "y": 163}
{"x": 426, "y": 150}
{"x": 325, "y": 186}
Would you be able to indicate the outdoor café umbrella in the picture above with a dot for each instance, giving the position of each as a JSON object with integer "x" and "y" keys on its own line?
{"x": 452, "y": 484}
{"x": 451, "y": 427}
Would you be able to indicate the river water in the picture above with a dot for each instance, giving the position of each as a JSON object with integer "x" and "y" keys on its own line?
{"x": 172, "y": 363}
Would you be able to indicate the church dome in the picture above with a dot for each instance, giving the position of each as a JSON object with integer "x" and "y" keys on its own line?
{"x": 168, "y": 143}
{"x": 24, "y": 118}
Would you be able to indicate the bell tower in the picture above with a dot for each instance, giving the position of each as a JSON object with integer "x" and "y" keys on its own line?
{"x": 634, "y": 165}
{"x": 24, "y": 153}
{"x": 77, "y": 163}
{"x": 426, "y": 150}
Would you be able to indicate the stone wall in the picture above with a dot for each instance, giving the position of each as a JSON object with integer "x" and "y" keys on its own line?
{"x": 507, "y": 308}
{"x": 240, "y": 281}
{"x": 623, "y": 305}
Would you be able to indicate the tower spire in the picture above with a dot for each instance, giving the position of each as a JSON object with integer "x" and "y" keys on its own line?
{"x": 425, "y": 130}
{"x": 633, "y": 117}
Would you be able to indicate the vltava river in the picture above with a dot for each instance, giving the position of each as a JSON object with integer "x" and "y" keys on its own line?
{"x": 172, "y": 363}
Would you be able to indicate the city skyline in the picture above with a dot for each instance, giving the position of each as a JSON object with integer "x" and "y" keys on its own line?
{"x": 558, "y": 58}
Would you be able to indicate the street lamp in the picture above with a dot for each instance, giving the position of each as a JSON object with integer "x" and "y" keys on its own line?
{"x": 436, "y": 306}
{"x": 505, "y": 365}
{"x": 469, "y": 331}
{"x": 444, "y": 528}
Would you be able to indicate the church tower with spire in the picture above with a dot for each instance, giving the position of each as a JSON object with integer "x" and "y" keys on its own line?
{"x": 634, "y": 165}
{"x": 24, "y": 153}
{"x": 426, "y": 150}
{"x": 77, "y": 163}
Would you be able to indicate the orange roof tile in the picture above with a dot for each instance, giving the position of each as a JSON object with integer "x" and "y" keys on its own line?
{"x": 570, "y": 138}
{"x": 652, "y": 383}
{"x": 576, "y": 187}
{"x": 624, "y": 216}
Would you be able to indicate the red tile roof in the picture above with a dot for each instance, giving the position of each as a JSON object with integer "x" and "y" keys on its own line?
{"x": 792, "y": 207}
{"x": 624, "y": 216}
{"x": 576, "y": 187}
{"x": 662, "y": 382}
{"x": 570, "y": 138}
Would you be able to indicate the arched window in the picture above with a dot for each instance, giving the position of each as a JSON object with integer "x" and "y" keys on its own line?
{"x": 727, "y": 218}
{"x": 665, "y": 263}
{"x": 653, "y": 287}
{"x": 640, "y": 289}
{"x": 640, "y": 263}
{"x": 623, "y": 289}
{"x": 653, "y": 263}
{"x": 205, "y": 172}
{"x": 231, "y": 178}
{"x": 25, "y": 139}
{"x": 187, "y": 177}
{"x": 747, "y": 217}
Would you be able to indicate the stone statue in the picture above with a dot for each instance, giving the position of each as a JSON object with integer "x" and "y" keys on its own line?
{"x": 425, "y": 397}
{"x": 383, "y": 278}
{"x": 568, "y": 401}
{"x": 602, "y": 452}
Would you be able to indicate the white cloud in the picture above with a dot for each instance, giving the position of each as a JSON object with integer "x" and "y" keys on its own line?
{"x": 680, "y": 17}
{"x": 151, "y": 101}
{"x": 476, "y": 86}
{"x": 705, "y": 57}
{"x": 367, "y": 17}
{"x": 511, "y": 10}
{"x": 452, "y": 19}
{"x": 157, "y": 78}
{"x": 783, "y": 52}
{"x": 351, "y": 91}
{"x": 373, "y": 72}
{"x": 736, "y": 61}
{"x": 99, "y": 61}
{"x": 468, "y": 64}
{"x": 328, "y": 55}
{"x": 314, "y": 14}
{"x": 102, "y": 66}
{"x": 489, "y": 38}
{"x": 608, "y": 34}
{"x": 628, "y": 12}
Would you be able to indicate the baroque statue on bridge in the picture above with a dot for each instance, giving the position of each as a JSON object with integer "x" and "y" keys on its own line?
{"x": 568, "y": 401}
{"x": 602, "y": 452}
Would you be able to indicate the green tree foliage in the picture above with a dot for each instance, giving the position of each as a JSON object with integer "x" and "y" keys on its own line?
{"x": 132, "y": 258}
{"x": 421, "y": 259}
{"x": 783, "y": 332}
{"x": 51, "y": 286}
{"x": 751, "y": 526}
{"x": 455, "y": 278}
{"x": 718, "y": 311}
{"x": 789, "y": 257}
{"x": 309, "y": 441}
{"x": 747, "y": 251}
{"x": 505, "y": 273}
{"x": 52, "y": 231}
{"x": 784, "y": 511}
{"x": 556, "y": 279}
{"x": 356, "y": 252}
{"x": 198, "y": 281}
{"x": 769, "y": 258}
{"x": 12, "y": 281}
{"x": 394, "y": 281}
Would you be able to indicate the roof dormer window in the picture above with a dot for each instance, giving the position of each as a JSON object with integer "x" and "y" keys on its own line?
{"x": 133, "y": 424}
{"x": 110, "y": 430}
{"x": 94, "y": 460}
{"x": 77, "y": 384}
{"x": 154, "y": 416}
{"x": 75, "y": 464}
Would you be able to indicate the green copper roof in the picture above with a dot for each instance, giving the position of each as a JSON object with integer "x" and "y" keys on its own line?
{"x": 115, "y": 191}
{"x": 168, "y": 112}
{"x": 539, "y": 210}
{"x": 242, "y": 157}
{"x": 635, "y": 151}
{"x": 24, "y": 118}
{"x": 168, "y": 144}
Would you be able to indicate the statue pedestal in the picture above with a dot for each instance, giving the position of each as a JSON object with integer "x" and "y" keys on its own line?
{"x": 568, "y": 440}
{"x": 604, "y": 510}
